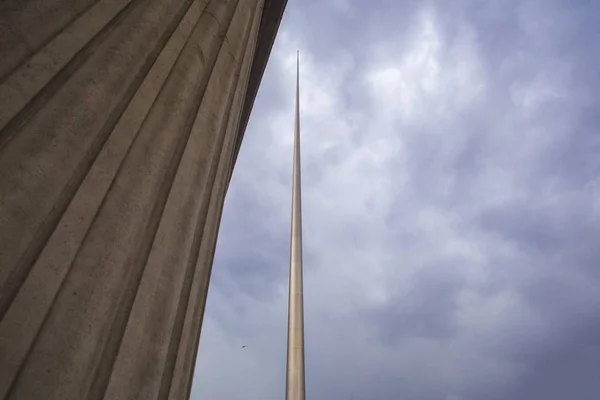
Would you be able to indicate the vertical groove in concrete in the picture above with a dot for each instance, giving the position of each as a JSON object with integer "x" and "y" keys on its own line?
{"x": 18, "y": 17}
{"x": 29, "y": 80}
{"x": 166, "y": 272}
{"x": 49, "y": 156}
{"x": 118, "y": 124}
{"x": 115, "y": 250}
{"x": 196, "y": 302}
{"x": 35, "y": 297}
{"x": 182, "y": 349}
{"x": 239, "y": 36}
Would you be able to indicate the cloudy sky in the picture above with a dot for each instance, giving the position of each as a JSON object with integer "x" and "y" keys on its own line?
{"x": 451, "y": 161}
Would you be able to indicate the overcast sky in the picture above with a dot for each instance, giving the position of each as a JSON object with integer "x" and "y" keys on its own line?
{"x": 451, "y": 200}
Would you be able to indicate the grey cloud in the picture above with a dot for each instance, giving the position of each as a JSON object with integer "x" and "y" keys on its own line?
{"x": 470, "y": 271}
{"x": 569, "y": 369}
{"x": 425, "y": 310}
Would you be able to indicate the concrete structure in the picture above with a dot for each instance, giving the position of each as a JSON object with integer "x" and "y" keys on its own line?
{"x": 120, "y": 122}
{"x": 295, "y": 351}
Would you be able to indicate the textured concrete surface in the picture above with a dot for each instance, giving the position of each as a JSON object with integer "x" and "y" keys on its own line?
{"x": 120, "y": 121}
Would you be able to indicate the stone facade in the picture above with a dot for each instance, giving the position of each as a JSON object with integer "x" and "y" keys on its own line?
{"x": 120, "y": 123}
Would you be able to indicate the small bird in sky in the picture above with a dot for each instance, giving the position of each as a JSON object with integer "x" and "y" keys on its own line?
{"x": 243, "y": 347}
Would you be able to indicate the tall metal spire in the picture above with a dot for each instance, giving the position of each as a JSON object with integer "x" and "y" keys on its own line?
{"x": 295, "y": 352}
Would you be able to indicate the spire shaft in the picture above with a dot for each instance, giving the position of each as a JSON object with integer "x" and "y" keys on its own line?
{"x": 295, "y": 352}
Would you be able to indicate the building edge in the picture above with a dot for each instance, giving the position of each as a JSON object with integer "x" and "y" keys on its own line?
{"x": 269, "y": 26}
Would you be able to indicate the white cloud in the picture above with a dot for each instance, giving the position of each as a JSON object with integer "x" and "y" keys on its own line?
{"x": 428, "y": 79}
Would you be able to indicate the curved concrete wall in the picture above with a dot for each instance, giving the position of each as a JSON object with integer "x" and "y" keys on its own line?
{"x": 120, "y": 121}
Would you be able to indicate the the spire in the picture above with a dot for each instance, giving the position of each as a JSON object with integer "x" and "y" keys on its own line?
{"x": 295, "y": 352}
